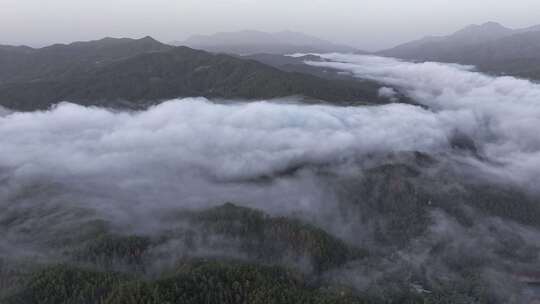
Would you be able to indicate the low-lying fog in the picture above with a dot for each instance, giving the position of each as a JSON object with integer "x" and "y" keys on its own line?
{"x": 158, "y": 152}
{"x": 128, "y": 167}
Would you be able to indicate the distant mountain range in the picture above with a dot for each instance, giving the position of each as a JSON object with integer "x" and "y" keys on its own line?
{"x": 491, "y": 47}
{"x": 253, "y": 42}
{"x": 63, "y": 61}
{"x": 140, "y": 72}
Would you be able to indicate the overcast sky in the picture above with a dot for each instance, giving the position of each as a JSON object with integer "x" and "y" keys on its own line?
{"x": 366, "y": 24}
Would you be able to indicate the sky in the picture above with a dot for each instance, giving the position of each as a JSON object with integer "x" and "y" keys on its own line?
{"x": 365, "y": 24}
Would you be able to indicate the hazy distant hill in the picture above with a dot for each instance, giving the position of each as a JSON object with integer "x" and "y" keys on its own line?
{"x": 490, "y": 46}
{"x": 298, "y": 65}
{"x": 12, "y": 48}
{"x": 114, "y": 72}
{"x": 253, "y": 42}
{"x": 61, "y": 60}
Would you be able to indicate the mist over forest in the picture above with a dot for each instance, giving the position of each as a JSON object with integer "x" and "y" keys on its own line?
{"x": 253, "y": 167}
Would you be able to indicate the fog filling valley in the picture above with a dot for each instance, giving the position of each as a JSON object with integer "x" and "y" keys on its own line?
{"x": 71, "y": 165}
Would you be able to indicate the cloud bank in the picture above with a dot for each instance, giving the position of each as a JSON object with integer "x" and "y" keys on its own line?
{"x": 192, "y": 153}
{"x": 501, "y": 114}
{"x": 224, "y": 141}
{"x": 68, "y": 170}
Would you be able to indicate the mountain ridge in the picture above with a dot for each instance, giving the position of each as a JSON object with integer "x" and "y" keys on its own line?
{"x": 66, "y": 60}
{"x": 106, "y": 73}
{"x": 249, "y": 42}
{"x": 491, "y": 47}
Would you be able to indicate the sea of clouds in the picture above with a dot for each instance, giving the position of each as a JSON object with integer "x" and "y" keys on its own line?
{"x": 232, "y": 141}
{"x": 71, "y": 164}
{"x": 195, "y": 152}
{"x": 502, "y": 114}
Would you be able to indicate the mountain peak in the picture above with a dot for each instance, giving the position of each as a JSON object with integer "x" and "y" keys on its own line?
{"x": 479, "y": 33}
{"x": 484, "y": 28}
{"x": 149, "y": 39}
{"x": 248, "y": 42}
{"x": 492, "y": 24}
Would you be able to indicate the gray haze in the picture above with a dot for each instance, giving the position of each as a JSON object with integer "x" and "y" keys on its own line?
{"x": 369, "y": 24}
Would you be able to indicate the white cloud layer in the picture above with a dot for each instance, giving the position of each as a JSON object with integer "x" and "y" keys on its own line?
{"x": 193, "y": 152}
{"x": 234, "y": 141}
{"x": 502, "y": 114}
{"x": 62, "y": 169}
